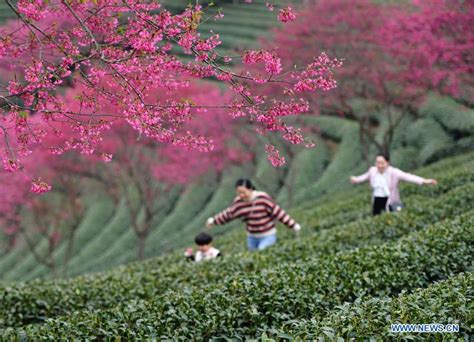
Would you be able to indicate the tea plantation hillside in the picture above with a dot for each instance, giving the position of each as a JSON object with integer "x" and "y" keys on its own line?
{"x": 240, "y": 29}
{"x": 104, "y": 238}
{"x": 345, "y": 275}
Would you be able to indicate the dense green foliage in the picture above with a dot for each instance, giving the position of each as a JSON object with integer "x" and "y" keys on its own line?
{"x": 448, "y": 301}
{"x": 344, "y": 264}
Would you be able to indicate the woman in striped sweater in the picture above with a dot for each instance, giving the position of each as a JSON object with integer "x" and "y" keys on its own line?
{"x": 258, "y": 210}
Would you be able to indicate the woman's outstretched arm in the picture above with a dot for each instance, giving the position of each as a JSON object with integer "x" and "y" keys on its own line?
{"x": 360, "y": 179}
{"x": 277, "y": 212}
{"x": 224, "y": 216}
{"x": 411, "y": 178}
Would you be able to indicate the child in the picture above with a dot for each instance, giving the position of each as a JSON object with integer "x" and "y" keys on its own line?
{"x": 205, "y": 250}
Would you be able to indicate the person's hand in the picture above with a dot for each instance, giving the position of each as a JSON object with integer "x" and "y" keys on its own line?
{"x": 297, "y": 228}
{"x": 430, "y": 181}
{"x": 210, "y": 222}
{"x": 353, "y": 180}
{"x": 188, "y": 252}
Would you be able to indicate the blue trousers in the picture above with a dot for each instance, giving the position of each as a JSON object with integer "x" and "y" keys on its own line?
{"x": 254, "y": 243}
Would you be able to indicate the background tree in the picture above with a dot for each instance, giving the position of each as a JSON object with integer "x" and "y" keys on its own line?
{"x": 394, "y": 53}
{"x": 433, "y": 43}
{"x": 43, "y": 222}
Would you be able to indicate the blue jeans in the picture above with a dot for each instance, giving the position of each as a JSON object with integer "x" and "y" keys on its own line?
{"x": 255, "y": 243}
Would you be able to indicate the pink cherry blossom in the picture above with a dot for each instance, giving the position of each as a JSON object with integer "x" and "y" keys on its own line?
{"x": 274, "y": 155}
{"x": 286, "y": 14}
{"x": 39, "y": 186}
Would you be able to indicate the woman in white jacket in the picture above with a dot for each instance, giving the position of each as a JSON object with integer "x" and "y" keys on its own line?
{"x": 384, "y": 180}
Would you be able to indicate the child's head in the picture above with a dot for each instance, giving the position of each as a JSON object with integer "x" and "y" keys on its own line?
{"x": 203, "y": 241}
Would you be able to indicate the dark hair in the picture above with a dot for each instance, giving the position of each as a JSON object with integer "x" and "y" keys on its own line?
{"x": 385, "y": 155}
{"x": 245, "y": 183}
{"x": 203, "y": 239}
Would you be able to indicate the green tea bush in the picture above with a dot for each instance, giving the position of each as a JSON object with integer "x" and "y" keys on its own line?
{"x": 306, "y": 168}
{"x": 98, "y": 214}
{"x": 243, "y": 307}
{"x": 430, "y": 137}
{"x": 449, "y": 113}
{"x": 328, "y": 230}
{"x": 189, "y": 205}
{"x": 345, "y": 161}
{"x": 95, "y": 247}
{"x": 104, "y": 290}
{"x": 444, "y": 302}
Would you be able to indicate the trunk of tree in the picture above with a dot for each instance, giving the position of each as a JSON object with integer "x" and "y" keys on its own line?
{"x": 291, "y": 187}
{"x": 364, "y": 145}
{"x": 141, "y": 246}
{"x": 47, "y": 260}
{"x": 142, "y": 234}
{"x": 54, "y": 270}
{"x": 69, "y": 249}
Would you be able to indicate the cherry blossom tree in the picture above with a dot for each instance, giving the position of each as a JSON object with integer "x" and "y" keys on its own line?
{"x": 432, "y": 42}
{"x": 52, "y": 219}
{"x": 119, "y": 50}
{"x": 348, "y": 30}
{"x": 11, "y": 203}
{"x": 394, "y": 54}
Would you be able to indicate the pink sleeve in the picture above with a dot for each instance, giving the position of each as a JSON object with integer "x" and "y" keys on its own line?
{"x": 408, "y": 177}
{"x": 363, "y": 178}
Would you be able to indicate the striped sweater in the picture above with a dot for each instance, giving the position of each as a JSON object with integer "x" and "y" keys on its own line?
{"x": 259, "y": 214}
